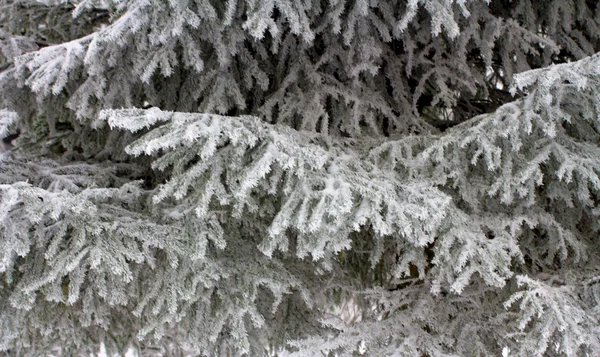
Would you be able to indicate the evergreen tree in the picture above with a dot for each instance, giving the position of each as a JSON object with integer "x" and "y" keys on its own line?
{"x": 300, "y": 177}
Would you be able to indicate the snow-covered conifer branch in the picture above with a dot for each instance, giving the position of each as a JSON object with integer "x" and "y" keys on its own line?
{"x": 8, "y": 121}
{"x": 553, "y": 318}
{"x": 303, "y": 177}
{"x": 325, "y": 197}
{"x": 77, "y": 254}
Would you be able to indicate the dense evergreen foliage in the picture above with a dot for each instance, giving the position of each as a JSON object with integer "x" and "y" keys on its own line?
{"x": 300, "y": 177}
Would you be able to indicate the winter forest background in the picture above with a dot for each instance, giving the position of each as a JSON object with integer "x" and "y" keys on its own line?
{"x": 414, "y": 178}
